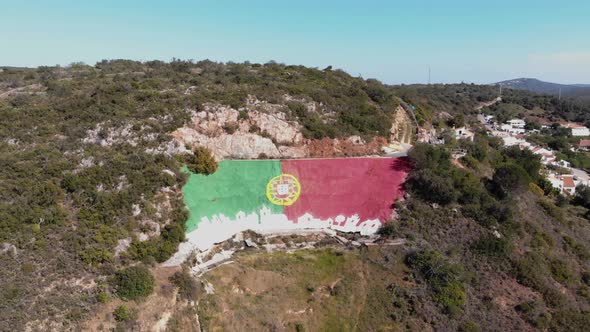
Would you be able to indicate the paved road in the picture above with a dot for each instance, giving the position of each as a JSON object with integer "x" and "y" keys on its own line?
{"x": 580, "y": 174}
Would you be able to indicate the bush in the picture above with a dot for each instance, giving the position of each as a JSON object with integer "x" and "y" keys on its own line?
{"x": 535, "y": 189}
{"x": 469, "y": 326}
{"x": 442, "y": 277}
{"x": 121, "y": 313}
{"x": 511, "y": 177}
{"x": 552, "y": 210}
{"x": 134, "y": 282}
{"x": 426, "y": 156}
{"x": 188, "y": 288}
{"x": 201, "y": 161}
{"x": 490, "y": 245}
{"x": 103, "y": 297}
{"x": 388, "y": 229}
{"x": 451, "y": 296}
{"x": 432, "y": 187}
{"x": 582, "y": 196}
{"x": 560, "y": 271}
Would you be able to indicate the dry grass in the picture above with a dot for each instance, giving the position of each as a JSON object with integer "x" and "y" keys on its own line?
{"x": 314, "y": 290}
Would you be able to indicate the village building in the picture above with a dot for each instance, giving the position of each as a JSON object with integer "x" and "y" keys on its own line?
{"x": 429, "y": 136}
{"x": 576, "y": 129}
{"x": 516, "y": 123}
{"x": 514, "y": 126}
{"x": 569, "y": 186}
{"x": 464, "y": 133}
{"x": 566, "y": 184}
{"x": 583, "y": 145}
{"x": 541, "y": 150}
{"x": 562, "y": 163}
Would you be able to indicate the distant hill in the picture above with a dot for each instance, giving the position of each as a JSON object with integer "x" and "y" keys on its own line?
{"x": 534, "y": 85}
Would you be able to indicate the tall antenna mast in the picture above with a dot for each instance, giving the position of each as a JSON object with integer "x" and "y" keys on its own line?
{"x": 559, "y": 93}
{"x": 500, "y": 89}
{"x": 428, "y": 75}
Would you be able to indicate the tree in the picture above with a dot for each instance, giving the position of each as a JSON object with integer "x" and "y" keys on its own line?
{"x": 529, "y": 125}
{"x": 201, "y": 161}
{"x": 510, "y": 177}
{"x": 582, "y": 196}
{"x": 134, "y": 282}
{"x": 526, "y": 159}
{"x": 427, "y": 156}
{"x": 432, "y": 187}
{"x": 457, "y": 121}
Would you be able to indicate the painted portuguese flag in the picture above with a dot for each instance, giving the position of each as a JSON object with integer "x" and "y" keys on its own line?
{"x": 350, "y": 195}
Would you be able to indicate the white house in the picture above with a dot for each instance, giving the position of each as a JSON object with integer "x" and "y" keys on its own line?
{"x": 564, "y": 183}
{"x": 512, "y": 129}
{"x": 516, "y": 123}
{"x": 576, "y": 129}
{"x": 562, "y": 163}
{"x": 541, "y": 150}
{"x": 569, "y": 185}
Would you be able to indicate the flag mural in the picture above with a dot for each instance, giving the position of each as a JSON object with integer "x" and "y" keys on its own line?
{"x": 349, "y": 195}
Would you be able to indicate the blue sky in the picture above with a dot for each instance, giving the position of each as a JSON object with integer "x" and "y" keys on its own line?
{"x": 395, "y": 41}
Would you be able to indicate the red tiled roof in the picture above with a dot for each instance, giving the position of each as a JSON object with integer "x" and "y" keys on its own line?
{"x": 568, "y": 182}
{"x": 572, "y": 125}
{"x": 584, "y": 143}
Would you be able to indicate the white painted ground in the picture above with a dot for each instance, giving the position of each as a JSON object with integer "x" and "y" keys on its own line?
{"x": 220, "y": 228}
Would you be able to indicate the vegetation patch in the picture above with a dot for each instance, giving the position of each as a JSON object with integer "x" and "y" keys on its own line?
{"x": 134, "y": 282}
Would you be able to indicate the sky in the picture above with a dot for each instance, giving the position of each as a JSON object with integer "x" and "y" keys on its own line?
{"x": 394, "y": 41}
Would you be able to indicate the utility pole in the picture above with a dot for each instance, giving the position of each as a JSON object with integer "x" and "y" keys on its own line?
{"x": 559, "y": 93}
{"x": 500, "y": 89}
{"x": 428, "y": 75}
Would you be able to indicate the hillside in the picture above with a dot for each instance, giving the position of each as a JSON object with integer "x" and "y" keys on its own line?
{"x": 581, "y": 91}
{"x": 97, "y": 162}
{"x": 92, "y": 156}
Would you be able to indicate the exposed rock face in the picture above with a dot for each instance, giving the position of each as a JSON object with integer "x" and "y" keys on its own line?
{"x": 277, "y": 127}
{"x": 402, "y": 127}
{"x": 262, "y": 130}
{"x": 237, "y": 145}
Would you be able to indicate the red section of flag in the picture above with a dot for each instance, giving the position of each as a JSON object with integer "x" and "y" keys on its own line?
{"x": 332, "y": 187}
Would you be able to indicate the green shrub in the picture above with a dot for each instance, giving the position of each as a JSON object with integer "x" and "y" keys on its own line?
{"x": 492, "y": 246}
{"x": 535, "y": 189}
{"x": 388, "y": 229}
{"x": 432, "y": 187}
{"x": 530, "y": 269}
{"x": 470, "y": 162}
{"x": 469, "y": 326}
{"x": 569, "y": 320}
{"x": 560, "y": 271}
{"x": 103, "y": 297}
{"x": 451, "y": 296}
{"x": 443, "y": 278}
{"x": 511, "y": 177}
{"x": 201, "y": 161}
{"x": 121, "y": 313}
{"x": 582, "y": 196}
{"x": 134, "y": 282}
{"x": 576, "y": 248}
{"x": 552, "y": 209}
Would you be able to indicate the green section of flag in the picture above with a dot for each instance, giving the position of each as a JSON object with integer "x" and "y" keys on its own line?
{"x": 235, "y": 186}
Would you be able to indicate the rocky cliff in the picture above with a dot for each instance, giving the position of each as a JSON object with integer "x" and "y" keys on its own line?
{"x": 265, "y": 130}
